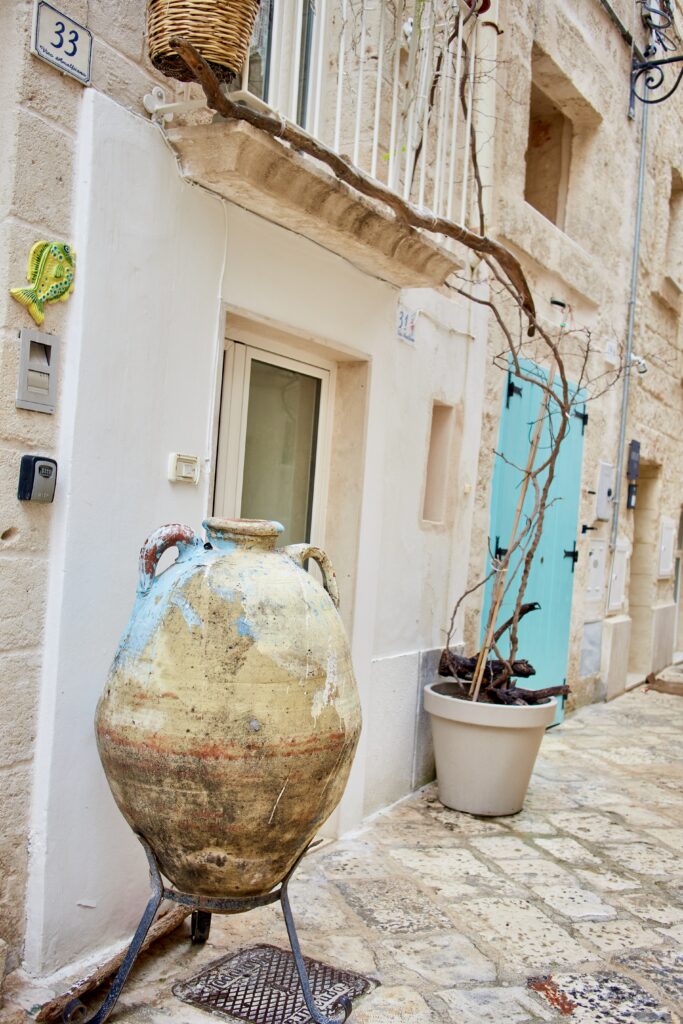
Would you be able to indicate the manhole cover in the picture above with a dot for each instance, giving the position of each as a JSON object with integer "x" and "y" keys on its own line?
{"x": 261, "y": 985}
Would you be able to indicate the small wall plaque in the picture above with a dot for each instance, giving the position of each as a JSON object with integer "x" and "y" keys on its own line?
{"x": 405, "y": 324}
{"x": 62, "y": 42}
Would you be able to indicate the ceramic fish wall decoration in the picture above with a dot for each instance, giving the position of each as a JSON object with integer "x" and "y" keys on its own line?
{"x": 50, "y": 273}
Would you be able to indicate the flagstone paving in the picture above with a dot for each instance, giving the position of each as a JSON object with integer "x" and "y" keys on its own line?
{"x": 569, "y": 911}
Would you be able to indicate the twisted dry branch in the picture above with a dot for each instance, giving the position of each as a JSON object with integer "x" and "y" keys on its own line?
{"x": 344, "y": 170}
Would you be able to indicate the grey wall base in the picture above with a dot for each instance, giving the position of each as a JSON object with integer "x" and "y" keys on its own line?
{"x": 400, "y": 753}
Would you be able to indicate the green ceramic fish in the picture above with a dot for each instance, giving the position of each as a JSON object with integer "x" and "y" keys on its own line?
{"x": 50, "y": 273}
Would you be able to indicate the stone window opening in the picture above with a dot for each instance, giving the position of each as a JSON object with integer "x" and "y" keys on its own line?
{"x": 674, "y": 241}
{"x": 438, "y": 459}
{"x": 548, "y": 158}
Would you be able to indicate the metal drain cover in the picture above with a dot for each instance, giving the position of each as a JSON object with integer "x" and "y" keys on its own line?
{"x": 261, "y": 985}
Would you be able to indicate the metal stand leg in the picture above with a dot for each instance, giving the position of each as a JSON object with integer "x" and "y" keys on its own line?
{"x": 75, "y": 1010}
{"x": 202, "y": 909}
{"x": 343, "y": 1002}
{"x": 201, "y": 926}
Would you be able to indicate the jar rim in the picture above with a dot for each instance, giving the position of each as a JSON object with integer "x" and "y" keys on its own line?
{"x": 244, "y": 527}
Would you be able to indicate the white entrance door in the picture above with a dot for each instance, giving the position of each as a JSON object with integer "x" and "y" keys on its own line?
{"x": 272, "y": 441}
{"x": 273, "y": 447}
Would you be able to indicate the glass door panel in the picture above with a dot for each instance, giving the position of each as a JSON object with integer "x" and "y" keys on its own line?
{"x": 273, "y": 441}
{"x": 281, "y": 441}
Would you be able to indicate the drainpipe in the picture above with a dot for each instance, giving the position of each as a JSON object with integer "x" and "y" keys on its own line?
{"x": 623, "y": 31}
{"x": 629, "y": 334}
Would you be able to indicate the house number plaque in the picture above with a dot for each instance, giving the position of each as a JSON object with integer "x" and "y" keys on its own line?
{"x": 61, "y": 41}
{"x": 405, "y": 324}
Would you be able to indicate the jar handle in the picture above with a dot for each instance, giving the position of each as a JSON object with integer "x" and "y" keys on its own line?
{"x": 300, "y": 552}
{"x": 173, "y": 535}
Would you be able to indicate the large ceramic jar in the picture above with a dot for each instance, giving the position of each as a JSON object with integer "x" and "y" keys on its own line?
{"x": 230, "y": 717}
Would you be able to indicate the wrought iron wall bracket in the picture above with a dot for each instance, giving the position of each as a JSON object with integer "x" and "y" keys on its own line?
{"x": 649, "y": 76}
{"x": 202, "y": 909}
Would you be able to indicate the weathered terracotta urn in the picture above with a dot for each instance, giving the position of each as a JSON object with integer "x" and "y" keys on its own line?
{"x": 230, "y": 717}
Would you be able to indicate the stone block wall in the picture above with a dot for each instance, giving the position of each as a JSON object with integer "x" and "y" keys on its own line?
{"x": 575, "y": 53}
{"x": 39, "y": 118}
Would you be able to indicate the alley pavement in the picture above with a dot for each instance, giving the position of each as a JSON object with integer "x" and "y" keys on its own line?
{"x": 569, "y": 911}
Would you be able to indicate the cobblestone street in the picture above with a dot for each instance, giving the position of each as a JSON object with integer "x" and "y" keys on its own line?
{"x": 573, "y": 909}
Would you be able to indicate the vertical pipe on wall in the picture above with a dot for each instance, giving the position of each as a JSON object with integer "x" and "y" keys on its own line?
{"x": 635, "y": 261}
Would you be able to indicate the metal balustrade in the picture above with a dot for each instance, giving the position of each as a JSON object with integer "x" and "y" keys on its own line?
{"x": 391, "y": 85}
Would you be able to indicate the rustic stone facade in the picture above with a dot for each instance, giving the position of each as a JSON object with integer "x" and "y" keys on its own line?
{"x": 575, "y": 54}
{"x": 39, "y": 126}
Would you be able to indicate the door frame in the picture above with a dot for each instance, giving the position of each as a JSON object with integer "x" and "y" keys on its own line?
{"x": 242, "y": 347}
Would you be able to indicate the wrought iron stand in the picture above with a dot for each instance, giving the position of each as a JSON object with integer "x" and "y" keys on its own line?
{"x": 202, "y": 909}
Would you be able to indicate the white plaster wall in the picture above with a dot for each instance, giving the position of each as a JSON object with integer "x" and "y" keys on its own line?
{"x": 423, "y": 563}
{"x": 278, "y": 276}
{"x": 139, "y": 383}
{"x": 408, "y": 573}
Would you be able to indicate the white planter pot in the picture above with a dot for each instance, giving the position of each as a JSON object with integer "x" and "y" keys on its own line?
{"x": 485, "y": 753}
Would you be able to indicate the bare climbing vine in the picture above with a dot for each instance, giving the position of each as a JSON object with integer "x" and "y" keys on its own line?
{"x": 499, "y": 283}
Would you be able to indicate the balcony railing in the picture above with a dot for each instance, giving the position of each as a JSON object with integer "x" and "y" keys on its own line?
{"x": 389, "y": 84}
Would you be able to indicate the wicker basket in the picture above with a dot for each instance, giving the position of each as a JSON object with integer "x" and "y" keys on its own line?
{"x": 220, "y": 29}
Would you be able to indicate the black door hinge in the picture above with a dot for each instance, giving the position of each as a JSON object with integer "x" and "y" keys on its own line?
{"x": 513, "y": 389}
{"x": 583, "y": 416}
{"x": 573, "y": 554}
{"x": 499, "y": 551}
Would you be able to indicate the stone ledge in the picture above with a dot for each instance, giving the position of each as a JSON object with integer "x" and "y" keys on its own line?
{"x": 270, "y": 179}
{"x": 524, "y": 228}
{"x": 669, "y": 290}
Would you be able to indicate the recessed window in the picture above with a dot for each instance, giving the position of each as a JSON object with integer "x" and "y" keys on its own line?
{"x": 438, "y": 459}
{"x": 547, "y": 158}
{"x": 306, "y": 52}
{"x": 281, "y": 27}
{"x": 260, "y": 54}
{"x": 674, "y": 244}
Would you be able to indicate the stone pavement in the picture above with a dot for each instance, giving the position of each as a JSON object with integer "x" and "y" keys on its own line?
{"x": 571, "y": 910}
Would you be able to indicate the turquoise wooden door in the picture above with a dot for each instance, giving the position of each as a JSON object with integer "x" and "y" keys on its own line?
{"x": 544, "y": 634}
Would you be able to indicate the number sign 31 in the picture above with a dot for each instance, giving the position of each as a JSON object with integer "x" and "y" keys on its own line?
{"x": 61, "y": 41}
